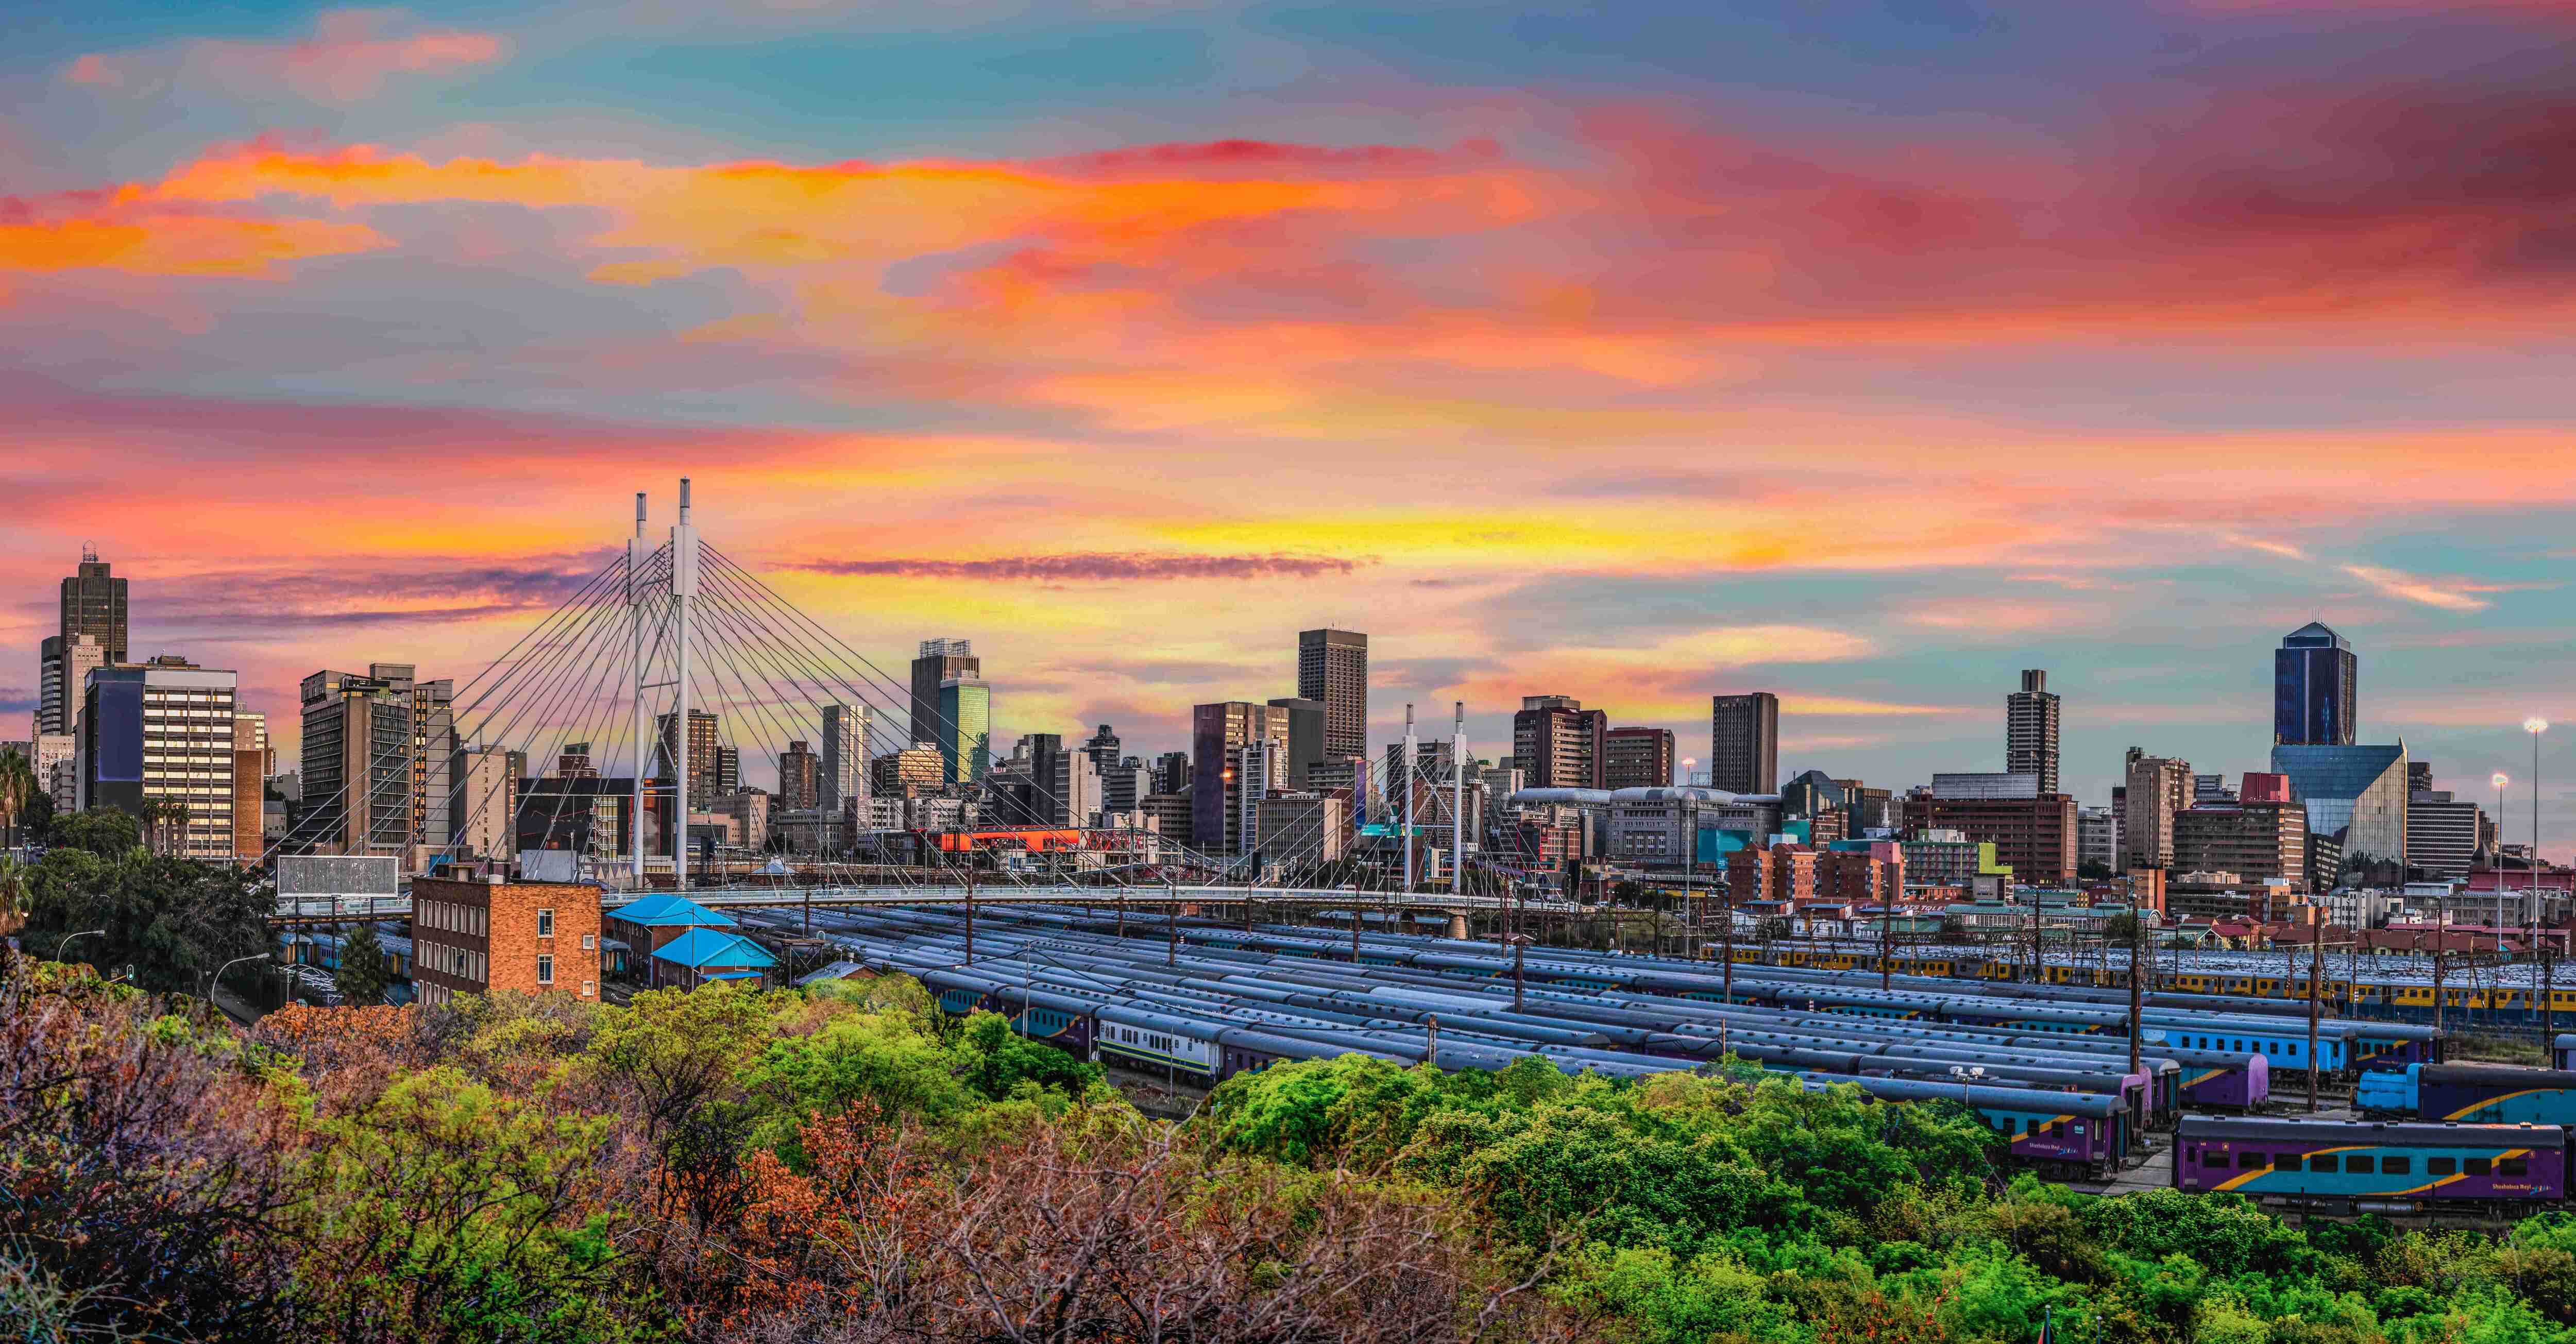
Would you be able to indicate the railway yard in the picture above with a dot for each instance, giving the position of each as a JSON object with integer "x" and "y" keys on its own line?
{"x": 2211, "y": 1095}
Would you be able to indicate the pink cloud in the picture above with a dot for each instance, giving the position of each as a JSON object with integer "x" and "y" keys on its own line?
{"x": 349, "y": 56}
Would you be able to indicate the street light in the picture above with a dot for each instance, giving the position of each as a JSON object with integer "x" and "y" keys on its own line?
{"x": 67, "y": 940}
{"x": 2535, "y": 725}
{"x": 206, "y": 992}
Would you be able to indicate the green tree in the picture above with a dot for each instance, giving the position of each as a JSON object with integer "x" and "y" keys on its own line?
{"x": 365, "y": 971}
{"x": 18, "y": 789}
{"x": 174, "y": 921}
{"x": 104, "y": 831}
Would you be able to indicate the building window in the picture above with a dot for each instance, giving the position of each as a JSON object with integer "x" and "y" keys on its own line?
{"x": 589, "y": 942}
{"x": 589, "y": 988}
{"x": 545, "y": 970}
{"x": 545, "y": 923}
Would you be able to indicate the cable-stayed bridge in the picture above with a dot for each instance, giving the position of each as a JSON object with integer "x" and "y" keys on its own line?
{"x": 620, "y": 727}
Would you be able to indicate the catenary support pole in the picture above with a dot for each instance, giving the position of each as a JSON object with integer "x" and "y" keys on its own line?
{"x": 2316, "y": 982}
{"x": 1406, "y": 767}
{"x": 1458, "y": 802}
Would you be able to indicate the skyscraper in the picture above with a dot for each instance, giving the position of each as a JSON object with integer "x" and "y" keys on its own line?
{"x": 2314, "y": 677}
{"x": 1306, "y": 734}
{"x": 1332, "y": 666}
{"x": 49, "y": 687}
{"x": 1559, "y": 744}
{"x": 2030, "y": 730}
{"x": 947, "y": 691}
{"x": 1744, "y": 743}
{"x": 844, "y": 761}
{"x": 94, "y": 604}
{"x": 63, "y": 667}
{"x": 1103, "y": 749}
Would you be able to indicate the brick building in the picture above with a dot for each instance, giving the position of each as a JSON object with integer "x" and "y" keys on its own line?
{"x": 2035, "y": 837}
{"x": 1779, "y": 873}
{"x": 482, "y": 936}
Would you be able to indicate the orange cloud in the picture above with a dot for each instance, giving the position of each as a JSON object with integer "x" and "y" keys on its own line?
{"x": 149, "y": 243}
{"x": 2448, "y": 595}
{"x": 349, "y": 56}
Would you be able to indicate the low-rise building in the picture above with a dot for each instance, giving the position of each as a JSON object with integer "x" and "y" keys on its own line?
{"x": 482, "y": 935}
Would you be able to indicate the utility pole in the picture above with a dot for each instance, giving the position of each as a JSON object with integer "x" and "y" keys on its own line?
{"x": 1726, "y": 934}
{"x": 1172, "y": 925}
{"x": 1886, "y": 932}
{"x": 684, "y": 586}
{"x": 2316, "y": 977}
{"x": 1519, "y": 944}
{"x": 2137, "y": 985}
{"x": 970, "y": 909}
{"x": 2439, "y": 920}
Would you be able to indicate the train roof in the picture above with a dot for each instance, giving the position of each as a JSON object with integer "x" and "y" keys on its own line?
{"x": 2400, "y": 1133}
{"x": 2514, "y": 1075}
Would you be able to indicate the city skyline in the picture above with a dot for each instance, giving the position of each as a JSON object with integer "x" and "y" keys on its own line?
{"x": 1848, "y": 356}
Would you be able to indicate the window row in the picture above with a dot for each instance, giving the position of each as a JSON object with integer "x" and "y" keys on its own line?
{"x": 2365, "y": 1164}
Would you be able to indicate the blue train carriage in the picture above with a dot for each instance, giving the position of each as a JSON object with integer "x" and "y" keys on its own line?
{"x": 2358, "y": 1166}
{"x": 2060, "y": 1133}
{"x": 2562, "y": 1051}
{"x": 2480, "y": 1094}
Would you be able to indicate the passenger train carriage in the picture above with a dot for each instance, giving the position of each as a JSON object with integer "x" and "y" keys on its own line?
{"x": 2349, "y": 1167}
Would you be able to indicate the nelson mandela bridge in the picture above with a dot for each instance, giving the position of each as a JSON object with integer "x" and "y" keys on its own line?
{"x": 571, "y": 762}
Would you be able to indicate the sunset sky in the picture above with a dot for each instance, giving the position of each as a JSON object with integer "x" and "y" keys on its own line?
{"x": 1862, "y": 352}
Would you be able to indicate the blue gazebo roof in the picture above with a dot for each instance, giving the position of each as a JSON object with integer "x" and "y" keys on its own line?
{"x": 701, "y": 949}
{"x": 666, "y": 910}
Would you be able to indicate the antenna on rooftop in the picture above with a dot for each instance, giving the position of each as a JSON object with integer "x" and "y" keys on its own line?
{"x": 89, "y": 553}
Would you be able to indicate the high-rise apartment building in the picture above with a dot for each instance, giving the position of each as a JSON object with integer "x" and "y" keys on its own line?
{"x": 1559, "y": 744}
{"x": 252, "y": 763}
{"x": 1103, "y": 749}
{"x": 369, "y": 785}
{"x": 1744, "y": 743}
{"x": 705, "y": 760}
{"x": 952, "y": 707}
{"x": 161, "y": 733}
{"x": 94, "y": 604}
{"x": 800, "y": 778}
{"x": 2442, "y": 834}
{"x": 484, "y": 823}
{"x": 1637, "y": 758}
{"x": 2030, "y": 730}
{"x": 2258, "y": 842}
{"x": 2097, "y": 838}
{"x": 1218, "y": 735}
{"x": 2314, "y": 683}
{"x": 1332, "y": 666}
{"x": 2158, "y": 787}
{"x": 844, "y": 761}
{"x": 50, "y": 717}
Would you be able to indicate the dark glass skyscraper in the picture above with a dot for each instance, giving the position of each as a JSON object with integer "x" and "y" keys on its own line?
{"x": 94, "y": 604}
{"x": 2313, "y": 675}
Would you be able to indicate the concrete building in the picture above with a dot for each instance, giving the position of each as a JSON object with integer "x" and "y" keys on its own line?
{"x": 746, "y": 817}
{"x": 1172, "y": 772}
{"x": 1870, "y": 809}
{"x": 1068, "y": 787}
{"x": 1991, "y": 785}
{"x": 251, "y": 762}
{"x": 800, "y": 779}
{"x": 1559, "y": 744}
{"x": 482, "y": 936}
{"x": 705, "y": 763}
{"x": 2097, "y": 837}
{"x": 1669, "y": 826}
{"x": 63, "y": 665}
{"x": 1172, "y": 815}
{"x": 915, "y": 770}
{"x": 55, "y": 758}
{"x": 162, "y": 733}
{"x": 2034, "y": 836}
{"x": 2315, "y": 685}
{"x": 377, "y": 748}
{"x": 2030, "y": 730}
{"x": 1218, "y": 734}
{"x": 1946, "y": 858}
{"x": 1306, "y": 734}
{"x": 1638, "y": 758}
{"x": 1301, "y": 828}
{"x": 843, "y": 777}
{"x": 2258, "y": 842}
{"x": 1744, "y": 743}
{"x": 952, "y": 708}
{"x": 485, "y": 817}
{"x": 2158, "y": 787}
{"x": 1124, "y": 786}
{"x": 2441, "y": 834}
{"x": 1102, "y": 748}
{"x": 1332, "y": 668}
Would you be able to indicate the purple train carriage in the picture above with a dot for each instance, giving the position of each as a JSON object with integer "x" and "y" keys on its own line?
{"x": 2350, "y": 1166}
